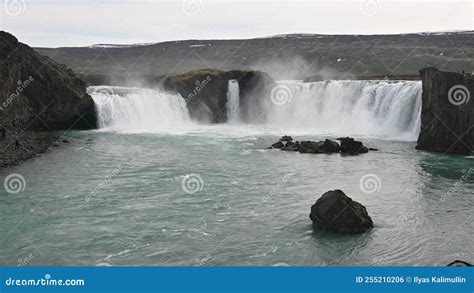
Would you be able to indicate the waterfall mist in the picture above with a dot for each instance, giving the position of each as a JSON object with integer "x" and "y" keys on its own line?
{"x": 385, "y": 109}
{"x": 389, "y": 109}
{"x": 138, "y": 109}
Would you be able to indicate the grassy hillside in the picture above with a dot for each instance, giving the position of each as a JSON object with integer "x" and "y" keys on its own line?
{"x": 288, "y": 56}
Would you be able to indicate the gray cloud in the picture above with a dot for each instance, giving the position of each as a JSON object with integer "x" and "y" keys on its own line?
{"x": 81, "y": 23}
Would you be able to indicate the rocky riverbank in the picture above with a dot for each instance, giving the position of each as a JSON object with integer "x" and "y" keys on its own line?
{"x": 17, "y": 148}
{"x": 37, "y": 97}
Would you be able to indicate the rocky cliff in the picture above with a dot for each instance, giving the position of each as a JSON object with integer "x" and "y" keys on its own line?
{"x": 37, "y": 96}
{"x": 38, "y": 93}
{"x": 447, "y": 115}
{"x": 205, "y": 92}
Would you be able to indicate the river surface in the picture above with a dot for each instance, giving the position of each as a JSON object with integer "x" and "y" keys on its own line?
{"x": 152, "y": 187}
{"x": 216, "y": 197}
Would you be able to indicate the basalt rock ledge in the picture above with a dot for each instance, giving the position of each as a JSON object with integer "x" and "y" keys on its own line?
{"x": 37, "y": 97}
{"x": 447, "y": 114}
{"x": 205, "y": 92}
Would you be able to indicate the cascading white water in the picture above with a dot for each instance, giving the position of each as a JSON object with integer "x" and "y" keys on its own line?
{"x": 137, "y": 109}
{"x": 233, "y": 103}
{"x": 382, "y": 108}
{"x": 389, "y": 109}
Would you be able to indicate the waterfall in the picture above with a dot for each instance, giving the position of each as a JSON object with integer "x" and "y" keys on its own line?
{"x": 137, "y": 109}
{"x": 388, "y": 109}
{"x": 233, "y": 107}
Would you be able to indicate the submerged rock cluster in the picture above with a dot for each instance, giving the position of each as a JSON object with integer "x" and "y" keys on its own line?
{"x": 348, "y": 146}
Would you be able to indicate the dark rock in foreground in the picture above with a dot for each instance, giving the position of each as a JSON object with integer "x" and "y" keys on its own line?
{"x": 348, "y": 146}
{"x": 277, "y": 145}
{"x": 291, "y": 146}
{"x": 337, "y": 212}
{"x": 447, "y": 113}
{"x": 352, "y": 147}
{"x": 286, "y": 138}
{"x": 459, "y": 263}
{"x": 331, "y": 146}
{"x": 311, "y": 147}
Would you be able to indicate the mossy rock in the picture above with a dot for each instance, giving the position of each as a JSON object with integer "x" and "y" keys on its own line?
{"x": 205, "y": 91}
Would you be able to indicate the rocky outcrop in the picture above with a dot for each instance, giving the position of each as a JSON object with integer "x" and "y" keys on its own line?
{"x": 205, "y": 91}
{"x": 447, "y": 114}
{"x": 37, "y": 95}
{"x": 459, "y": 263}
{"x": 352, "y": 147}
{"x": 348, "y": 146}
{"x": 337, "y": 212}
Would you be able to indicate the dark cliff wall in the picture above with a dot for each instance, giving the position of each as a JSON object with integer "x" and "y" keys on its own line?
{"x": 447, "y": 115}
{"x": 36, "y": 93}
{"x": 205, "y": 91}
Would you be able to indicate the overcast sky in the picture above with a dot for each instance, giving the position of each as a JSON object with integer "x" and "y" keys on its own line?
{"x": 57, "y": 23}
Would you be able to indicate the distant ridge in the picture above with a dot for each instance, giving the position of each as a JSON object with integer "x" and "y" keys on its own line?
{"x": 292, "y": 35}
{"x": 287, "y": 56}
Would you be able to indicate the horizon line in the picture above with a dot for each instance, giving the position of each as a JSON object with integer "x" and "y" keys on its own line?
{"x": 91, "y": 46}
